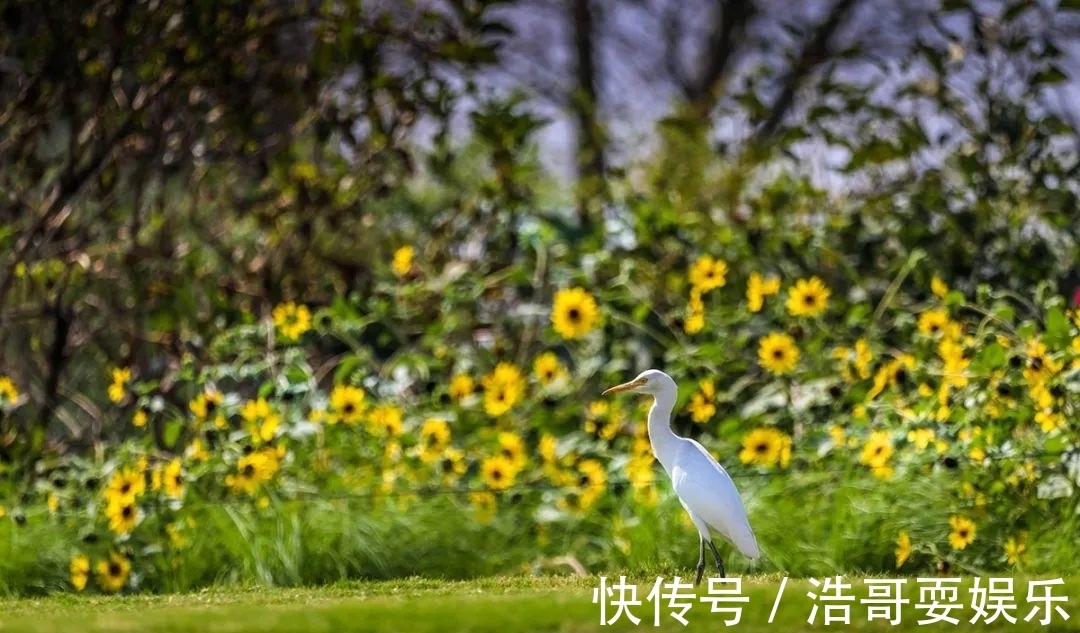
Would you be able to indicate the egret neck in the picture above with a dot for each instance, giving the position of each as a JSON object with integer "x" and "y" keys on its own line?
{"x": 665, "y": 443}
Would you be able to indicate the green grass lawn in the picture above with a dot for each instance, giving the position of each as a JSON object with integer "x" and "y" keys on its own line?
{"x": 492, "y": 604}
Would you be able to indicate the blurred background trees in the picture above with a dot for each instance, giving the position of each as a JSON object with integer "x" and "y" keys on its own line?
{"x": 168, "y": 169}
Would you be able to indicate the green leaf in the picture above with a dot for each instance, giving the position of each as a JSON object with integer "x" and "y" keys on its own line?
{"x": 954, "y": 298}
{"x": 1052, "y": 75}
{"x": 991, "y": 357}
{"x": 1057, "y": 329}
{"x": 171, "y": 433}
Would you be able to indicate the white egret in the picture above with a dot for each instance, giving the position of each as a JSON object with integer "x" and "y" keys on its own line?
{"x": 703, "y": 486}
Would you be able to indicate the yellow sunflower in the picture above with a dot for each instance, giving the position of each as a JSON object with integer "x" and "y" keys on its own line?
{"x": 291, "y": 320}
{"x": 593, "y": 475}
{"x": 707, "y": 273}
{"x": 260, "y": 420}
{"x": 433, "y": 439}
{"x": 121, "y": 376}
{"x": 547, "y": 368}
{"x": 80, "y": 571}
{"x": 127, "y": 483}
{"x": 498, "y": 472}
{"x": 461, "y": 387}
{"x": 963, "y": 532}
{"x": 253, "y": 470}
{"x": 702, "y": 406}
{"x": 452, "y": 465}
{"x": 921, "y": 438}
{"x": 903, "y": 549}
{"x": 385, "y": 420}
{"x": 403, "y": 261}
{"x": 591, "y": 484}
{"x": 938, "y": 287}
{"x": 122, "y": 514}
{"x": 1015, "y": 550}
{"x": 877, "y": 450}
{"x": 809, "y": 297}
{"x": 207, "y": 407}
{"x": 170, "y": 479}
{"x": 765, "y": 446}
{"x": 574, "y": 313}
{"x": 346, "y": 405}
{"x": 933, "y": 322}
{"x": 512, "y": 447}
{"x": 484, "y": 504}
{"x": 504, "y": 388}
{"x": 112, "y": 574}
{"x": 757, "y": 288}
{"x": 778, "y": 353}
{"x": 9, "y": 393}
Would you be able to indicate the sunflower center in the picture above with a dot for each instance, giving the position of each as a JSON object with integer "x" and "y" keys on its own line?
{"x": 573, "y": 314}
{"x": 583, "y": 480}
{"x": 349, "y": 408}
{"x": 778, "y": 354}
{"x": 125, "y": 488}
{"x": 878, "y": 449}
{"x": 761, "y": 448}
{"x": 115, "y": 570}
{"x": 447, "y": 465}
{"x": 809, "y": 300}
{"x": 249, "y": 471}
{"x": 127, "y": 511}
{"x": 497, "y": 475}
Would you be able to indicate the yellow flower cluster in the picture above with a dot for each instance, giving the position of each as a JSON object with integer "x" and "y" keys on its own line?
{"x": 702, "y": 403}
{"x": 111, "y": 573}
{"x": 706, "y": 274}
{"x": 121, "y": 376}
{"x": 121, "y": 499}
{"x": 260, "y": 420}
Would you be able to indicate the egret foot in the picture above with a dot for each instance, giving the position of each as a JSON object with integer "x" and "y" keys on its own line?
{"x": 716, "y": 555}
{"x": 700, "y": 563}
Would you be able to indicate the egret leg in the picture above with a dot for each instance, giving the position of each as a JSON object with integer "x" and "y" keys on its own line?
{"x": 716, "y": 555}
{"x": 700, "y": 561}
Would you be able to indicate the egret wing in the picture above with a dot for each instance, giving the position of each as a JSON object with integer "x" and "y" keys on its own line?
{"x": 708, "y": 492}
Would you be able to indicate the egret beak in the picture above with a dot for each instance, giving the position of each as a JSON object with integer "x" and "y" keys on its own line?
{"x": 626, "y": 386}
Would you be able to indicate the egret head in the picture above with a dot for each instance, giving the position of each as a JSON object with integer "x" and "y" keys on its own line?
{"x": 650, "y": 381}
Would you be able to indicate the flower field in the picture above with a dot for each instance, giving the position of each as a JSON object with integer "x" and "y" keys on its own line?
{"x": 932, "y": 430}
